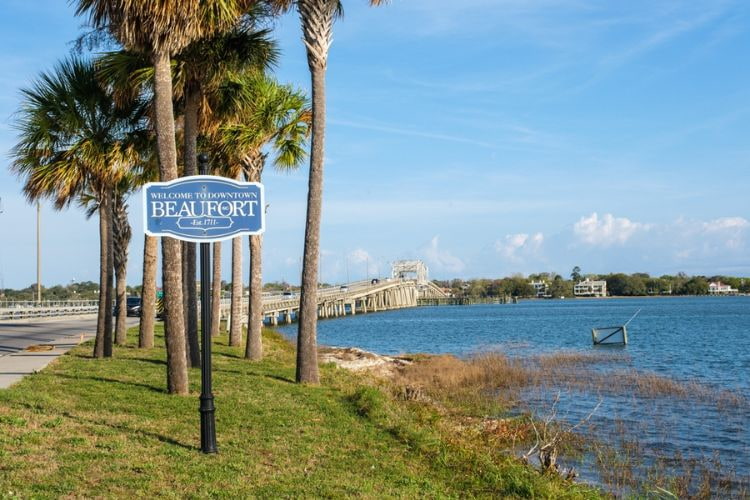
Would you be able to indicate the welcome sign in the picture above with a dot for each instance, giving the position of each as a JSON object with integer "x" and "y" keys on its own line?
{"x": 203, "y": 208}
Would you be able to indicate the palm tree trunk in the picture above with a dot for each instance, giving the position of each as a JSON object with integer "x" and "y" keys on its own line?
{"x": 190, "y": 160}
{"x": 109, "y": 295}
{"x": 183, "y": 270}
{"x": 122, "y": 234}
{"x": 148, "y": 293}
{"x": 121, "y": 293}
{"x": 235, "y": 326}
{"x": 105, "y": 310}
{"x": 254, "y": 347}
{"x": 216, "y": 291}
{"x": 317, "y": 24}
{"x": 174, "y": 328}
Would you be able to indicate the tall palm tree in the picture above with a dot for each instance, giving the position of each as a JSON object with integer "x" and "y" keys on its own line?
{"x": 161, "y": 28}
{"x": 121, "y": 234}
{"x": 238, "y": 288}
{"x": 75, "y": 141}
{"x": 261, "y": 112}
{"x": 129, "y": 75}
{"x": 317, "y": 17}
{"x": 197, "y": 70}
{"x": 216, "y": 291}
{"x": 204, "y": 64}
{"x": 148, "y": 292}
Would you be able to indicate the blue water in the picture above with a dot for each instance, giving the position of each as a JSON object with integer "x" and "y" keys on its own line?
{"x": 704, "y": 339}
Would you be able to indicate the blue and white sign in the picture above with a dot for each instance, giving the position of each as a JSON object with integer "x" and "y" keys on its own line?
{"x": 203, "y": 208}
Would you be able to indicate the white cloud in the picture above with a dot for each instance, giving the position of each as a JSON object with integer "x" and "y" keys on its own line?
{"x": 729, "y": 232}
{"x": 607, "y": 230}
{"x": 724, "y": 223}
{"x": 442, "y": 260}
{"x": 359, "y": 256}
{"x": 517, "y": 246}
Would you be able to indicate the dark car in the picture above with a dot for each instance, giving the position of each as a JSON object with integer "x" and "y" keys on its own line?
{"x": 133, "y": 306}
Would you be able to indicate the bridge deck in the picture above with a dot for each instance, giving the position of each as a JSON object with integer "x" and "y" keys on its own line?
{"x": 361, "y": 296}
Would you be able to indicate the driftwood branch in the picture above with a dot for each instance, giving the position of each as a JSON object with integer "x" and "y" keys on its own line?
{"x": 549, "y": 436}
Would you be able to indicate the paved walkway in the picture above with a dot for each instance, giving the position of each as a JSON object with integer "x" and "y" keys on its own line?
{"x": 48, "y": 340}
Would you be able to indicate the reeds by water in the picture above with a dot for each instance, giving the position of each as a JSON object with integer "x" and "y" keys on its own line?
{"x": 494, "y": 384}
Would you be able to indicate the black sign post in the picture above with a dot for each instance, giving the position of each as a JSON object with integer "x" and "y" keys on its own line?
{"x": 207, "y": 409}
{"x": 204, "y": 209}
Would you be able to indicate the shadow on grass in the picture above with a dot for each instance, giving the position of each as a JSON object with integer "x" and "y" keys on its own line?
{"x": 280, "y": 378}
{"x": 226, "y": 355}
{"x": 115, "y": 381}
{"x": 254, "y": 374}
{"x": 148, "y": 360}
{"x": 130, "y": 430}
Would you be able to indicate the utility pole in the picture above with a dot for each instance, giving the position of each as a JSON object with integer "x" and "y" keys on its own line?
{"x": 38, "y": 252}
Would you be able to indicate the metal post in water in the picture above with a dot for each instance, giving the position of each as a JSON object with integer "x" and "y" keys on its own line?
{"x": 207, "y": 409}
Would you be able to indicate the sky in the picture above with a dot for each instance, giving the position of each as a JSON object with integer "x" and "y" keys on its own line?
{"x": 485, "y": 137}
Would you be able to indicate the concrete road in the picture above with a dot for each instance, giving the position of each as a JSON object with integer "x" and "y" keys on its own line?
{"x": 61, "y": 334}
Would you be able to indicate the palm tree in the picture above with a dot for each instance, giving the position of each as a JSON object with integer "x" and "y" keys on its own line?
{"x": 148, "y": 292}
{"x": 261, "y": 112}
{"x": 235, "y": 307}
{"x": 216, "y": 291}
{"x": 76, "y": 142}
{"x": 121, "y": 234}
{"x": 204, "y": 63}
{"x": 197, "y": 70}
{"x": 317, "y": 17}
{"x": 129, "y": 75}
{"x": 161, "y": 28}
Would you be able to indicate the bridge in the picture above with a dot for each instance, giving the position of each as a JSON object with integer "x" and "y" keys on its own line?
{"x": 356, "y": 298}
{"x": 407, "y": 285}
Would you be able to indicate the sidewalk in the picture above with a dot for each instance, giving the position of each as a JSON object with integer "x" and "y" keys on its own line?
{"x": 14, "y": 367}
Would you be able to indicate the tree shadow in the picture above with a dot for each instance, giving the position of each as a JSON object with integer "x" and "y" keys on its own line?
{"x": 225, "y": 355}
{"x": 115, "y": 381}
{"x": 161, "y": 362}
{"x": 129, "y": 430}
{"x": 281, "y": 379}
{"x": 255, "y": 374}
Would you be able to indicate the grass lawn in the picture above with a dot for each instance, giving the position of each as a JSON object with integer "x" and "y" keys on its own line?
{"x": 107, "y": 428}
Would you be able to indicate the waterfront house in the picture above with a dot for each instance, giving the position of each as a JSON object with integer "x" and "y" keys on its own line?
{"x": 542, "y": 289}
{"x": 589, "y": 288}
{"x": 719, "y": 288}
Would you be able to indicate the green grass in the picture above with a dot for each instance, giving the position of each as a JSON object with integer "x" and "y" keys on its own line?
{"x": 107, "y": 428}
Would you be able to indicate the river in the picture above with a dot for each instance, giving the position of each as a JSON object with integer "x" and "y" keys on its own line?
{"x": 703, "y": 340}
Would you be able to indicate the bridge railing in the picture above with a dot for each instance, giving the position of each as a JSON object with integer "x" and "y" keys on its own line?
{"x": 20, "y": 309}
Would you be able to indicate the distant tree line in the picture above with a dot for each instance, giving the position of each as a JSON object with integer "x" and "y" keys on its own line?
{"x": 83, "y": 290}
{"x": 89, "y": 290}
{"x": 618, "y": 284}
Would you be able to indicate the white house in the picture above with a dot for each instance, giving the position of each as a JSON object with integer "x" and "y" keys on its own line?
{"x": 541, "y": 288}
{"x": 589, "y": 288}
{"x": 719, "y": 288}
